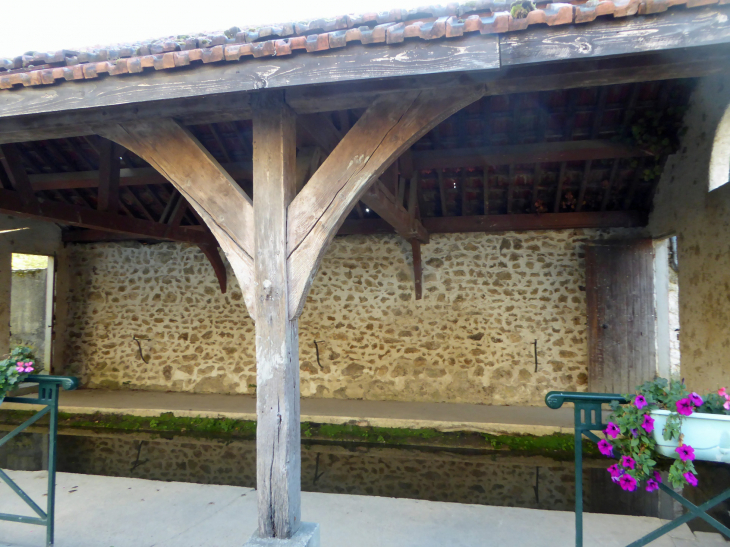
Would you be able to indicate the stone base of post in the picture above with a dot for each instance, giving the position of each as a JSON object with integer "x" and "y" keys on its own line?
{"x": 306, "y": 536}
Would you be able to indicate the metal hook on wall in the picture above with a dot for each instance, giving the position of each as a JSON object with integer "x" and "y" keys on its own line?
{"x": 140, "y": 347}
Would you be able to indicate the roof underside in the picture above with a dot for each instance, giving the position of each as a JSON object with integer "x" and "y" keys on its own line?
{"x": 578, "y": 150}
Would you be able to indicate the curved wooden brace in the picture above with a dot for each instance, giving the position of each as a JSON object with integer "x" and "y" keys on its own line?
{"x": 219, "y": 267}
{"x": 386, "y": 129}
{"x": 225, "y": 208}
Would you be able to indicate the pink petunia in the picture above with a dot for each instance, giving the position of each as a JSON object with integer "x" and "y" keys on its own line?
{"x": 691, "y": 478}
{"x": 722, "y": 392}
{"x": 615, "y": 471}
{"x": 612, "y": 430}
{"x": 695, "y": 399}
{"x": 684, "y": 407}
{"x": 686, "y": 452}
{"x": 605, "y": 447}
{"x": 19, "y": 367}
{"x": 627, "y": 482}
{"x": 657, "y": 476}
{"x": 640, "y": 401}
{"x": 628, "y": 462}
{"x": 648, "y": 424}
{"x": 726, "y": 406}
{"x": 651, "y": 485}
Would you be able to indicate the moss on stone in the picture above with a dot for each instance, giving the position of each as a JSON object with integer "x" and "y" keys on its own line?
{"x": 557, "y": 446}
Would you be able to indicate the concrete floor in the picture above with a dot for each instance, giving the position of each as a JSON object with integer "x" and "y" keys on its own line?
{"x": 95, "y": 511}
{"x": 442, "y": 416}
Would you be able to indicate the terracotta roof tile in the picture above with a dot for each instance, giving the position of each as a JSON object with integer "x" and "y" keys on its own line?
{"x": 391, "y": 27}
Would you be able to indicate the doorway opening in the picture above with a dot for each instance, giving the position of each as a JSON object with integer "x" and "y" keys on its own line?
{"x": 32, "y": 306}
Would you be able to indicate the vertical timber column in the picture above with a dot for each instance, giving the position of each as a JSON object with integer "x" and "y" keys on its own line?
{"x": 278, "y": 457}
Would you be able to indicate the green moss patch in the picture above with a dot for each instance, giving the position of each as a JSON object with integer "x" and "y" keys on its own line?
{"x": 557, "y": 446}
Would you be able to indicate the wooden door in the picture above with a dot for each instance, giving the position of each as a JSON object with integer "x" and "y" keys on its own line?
{"x": 621, "y": 314}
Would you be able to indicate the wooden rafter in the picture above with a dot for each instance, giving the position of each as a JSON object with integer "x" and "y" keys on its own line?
{"x": 525, "y": 153}
{"x": 87, "y": 217}
{"x": 507, "y": 223}
{"x": 108, "y": 199}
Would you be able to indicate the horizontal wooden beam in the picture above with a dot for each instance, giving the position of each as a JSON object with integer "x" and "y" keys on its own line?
{"x": 524, "y": 153}
{"x": 689, "y": 43}
{"x": 506, "y": 223}
{"x": 140, "y": 176}
{"x": 83, "y": 217}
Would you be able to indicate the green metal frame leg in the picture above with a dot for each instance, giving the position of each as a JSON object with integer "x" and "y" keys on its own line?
{"x": 578, "y": 481}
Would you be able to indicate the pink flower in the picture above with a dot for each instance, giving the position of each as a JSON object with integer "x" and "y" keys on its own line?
{"x": 615, "y": 471}
{"x": 684, "y": 407}
{"x": 640, "y": 401}
{"x": 605, "y": 447}
{"x": 651, "y": 485}
{"x": 657, "y": 476}
{"x": 628, "y": 462}
{"x": 627, "y": 482}
{"x": 612, "y": 430}
{"x": 648, "y": 424}
{"x": 691, "y": 478}
{"x": 686, "y": 452}
{"x": 695, "y": 399}
{"x": 722, "y": 392}
{"x": 19, "y": 367}
{"x": 726, "y": 406}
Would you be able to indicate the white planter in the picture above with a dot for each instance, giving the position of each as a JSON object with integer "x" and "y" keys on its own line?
{"x": 708, "y": 434}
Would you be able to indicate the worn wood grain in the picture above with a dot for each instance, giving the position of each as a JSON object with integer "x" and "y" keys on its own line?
{"x": 621, "y": 314}
{"x": 377, "y": 198}
{"x": 224, "y": 207}
{"x": 219, "y": 267}
{"x": 675, "y": 29}
{"x": 353, "y": 63}
{"x": 569, "y": 74}
{"x": 381, "y": 135}
{"x": 417, "y": 268}
{"x": 278, "y": 451}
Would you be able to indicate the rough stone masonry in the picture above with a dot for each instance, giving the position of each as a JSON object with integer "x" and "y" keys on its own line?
{"x": 487, "y": 298}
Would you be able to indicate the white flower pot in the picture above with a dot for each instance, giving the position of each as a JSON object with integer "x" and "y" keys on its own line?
{"x": 708, "y": 434}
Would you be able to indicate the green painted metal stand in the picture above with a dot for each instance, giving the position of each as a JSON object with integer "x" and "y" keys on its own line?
{"x": 48, "y": 389}
{"x": 588, "y": 417}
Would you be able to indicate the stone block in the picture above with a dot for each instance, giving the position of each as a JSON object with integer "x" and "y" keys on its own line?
{"x": 306, "y": 536}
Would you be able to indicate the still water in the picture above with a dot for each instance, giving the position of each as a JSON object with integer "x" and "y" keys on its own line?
{"x": 451, "y": 475}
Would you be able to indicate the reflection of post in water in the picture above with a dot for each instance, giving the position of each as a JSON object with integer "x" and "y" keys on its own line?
{"x": 317, "y": 474}
{"x": 138, "y": 463}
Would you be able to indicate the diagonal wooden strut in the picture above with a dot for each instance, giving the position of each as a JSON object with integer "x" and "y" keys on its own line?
{"x": 386, "y": 129}
{"x": 224, "y": 207}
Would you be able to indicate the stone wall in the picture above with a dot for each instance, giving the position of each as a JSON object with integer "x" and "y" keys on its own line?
{"x": 701, "y": 221}
{"x": 487, "y": 298}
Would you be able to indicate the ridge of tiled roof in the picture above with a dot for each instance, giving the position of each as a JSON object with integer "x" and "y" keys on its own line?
{"x": 391, "y": 27}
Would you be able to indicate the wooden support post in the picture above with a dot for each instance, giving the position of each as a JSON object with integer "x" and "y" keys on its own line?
{"x": 417, "y": 268}
{"x": 278, "y": 458}
{"x": 109, "y": 177}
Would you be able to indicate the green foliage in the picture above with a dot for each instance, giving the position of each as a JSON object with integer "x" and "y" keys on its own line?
{"x": 519, "y": 10}
{"x": 10, "y": 373}
{"x": 634, "y": 437}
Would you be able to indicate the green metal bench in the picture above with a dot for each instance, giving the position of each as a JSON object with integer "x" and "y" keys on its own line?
{"x": 588, "y": 417}
{"x": 47, "y": 397}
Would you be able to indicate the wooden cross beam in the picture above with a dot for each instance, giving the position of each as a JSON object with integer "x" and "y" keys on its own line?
{"x": 276, "y": 242}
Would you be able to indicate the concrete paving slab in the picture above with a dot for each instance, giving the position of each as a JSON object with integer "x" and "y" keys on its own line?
{"x": 496, "y": 420}
{"x": 94, "y": 511}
